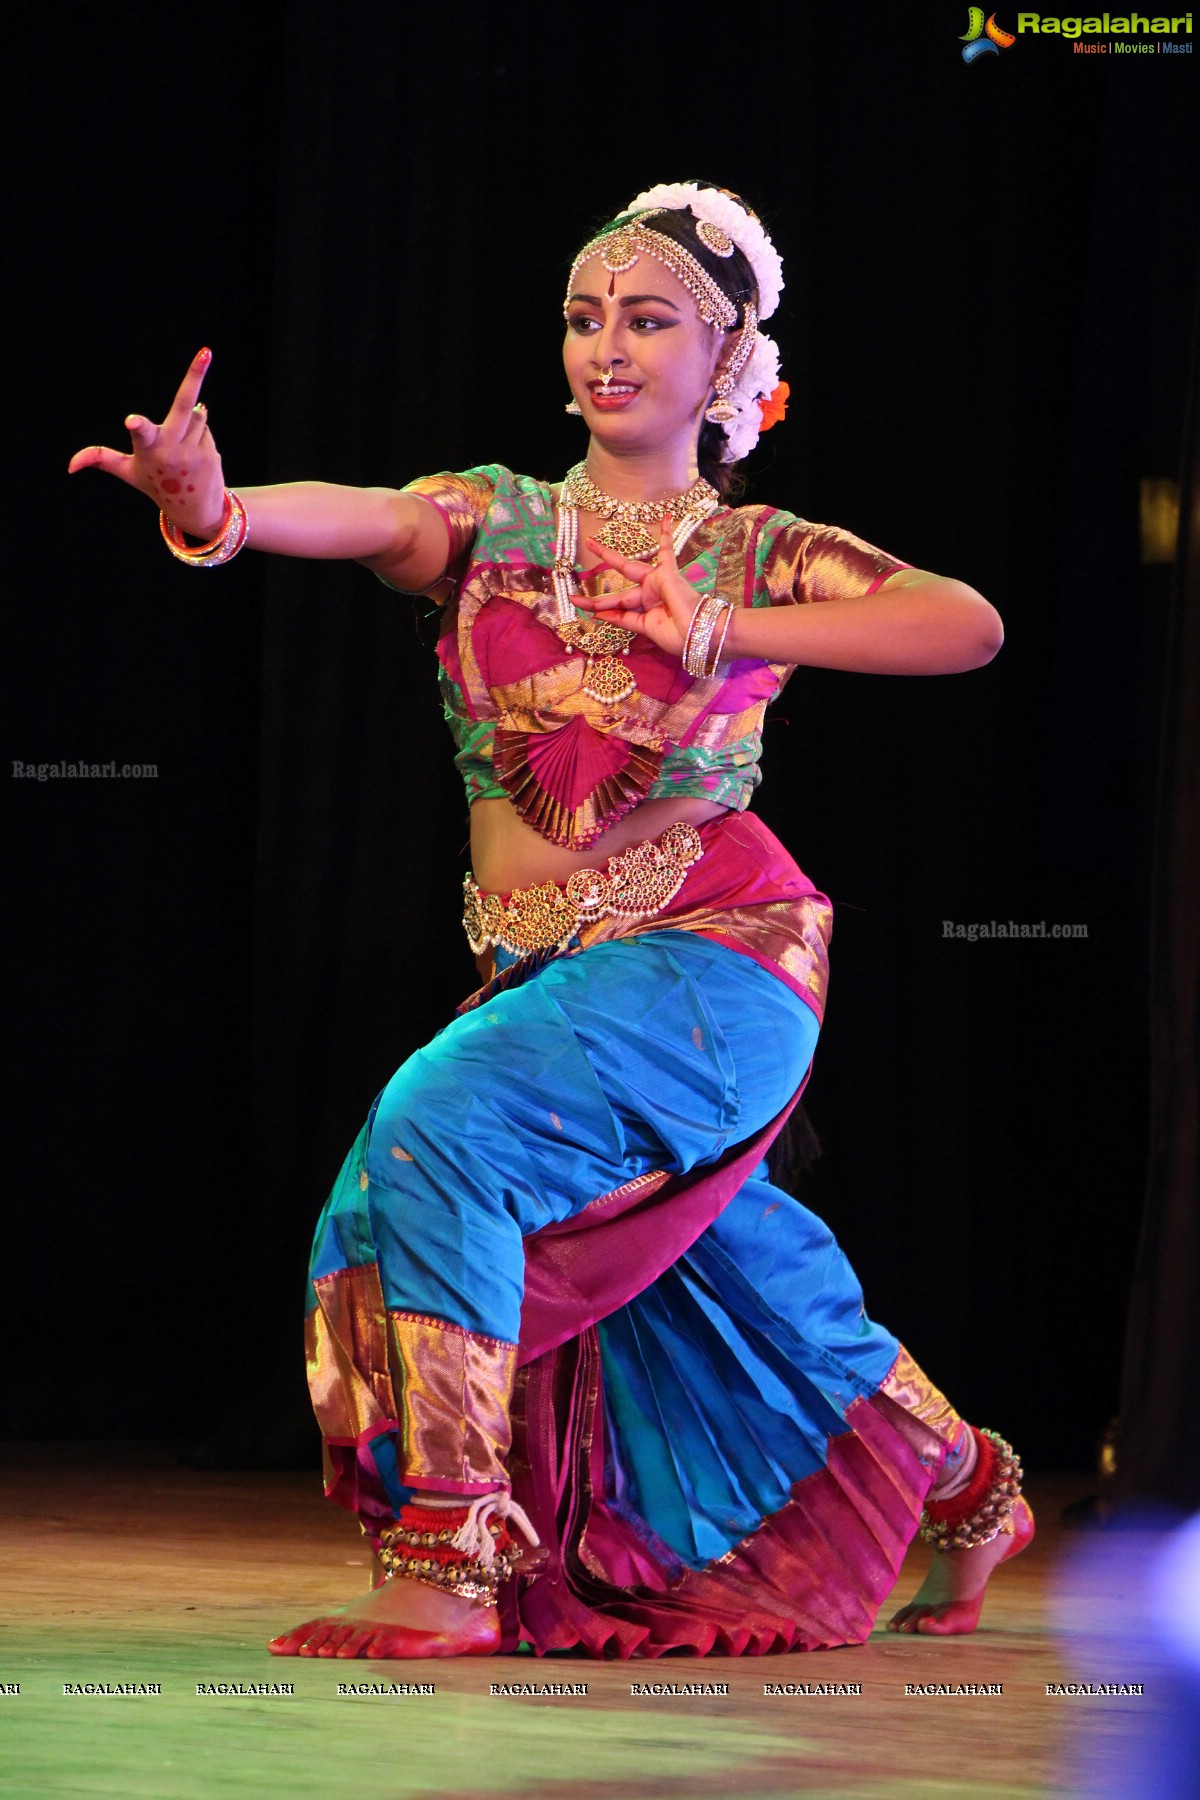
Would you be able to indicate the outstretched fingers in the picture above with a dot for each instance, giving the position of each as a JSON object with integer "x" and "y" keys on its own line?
{"x": 632, "y": 598}
{"x": 664, "y": 601}
{"x": 144, "y": 432}
{"x": 187, "y": 395}
{"x": 609, "y": 608}
{"x": 99, "y": 456}
{"x": 666, "y": 558}
{"x": 634, "y": 571}
{"x": 175, "y": 463}
{"x": 143, "y": 435}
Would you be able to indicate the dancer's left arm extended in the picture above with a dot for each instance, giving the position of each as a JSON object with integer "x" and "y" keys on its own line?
{"x": 914, "y": 623}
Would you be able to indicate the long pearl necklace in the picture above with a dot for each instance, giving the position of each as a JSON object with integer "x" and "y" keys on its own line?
{"x": 606, "y": 677}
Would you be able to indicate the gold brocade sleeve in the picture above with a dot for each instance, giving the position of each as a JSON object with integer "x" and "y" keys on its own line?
{"x": 806, "y": 562}
{"x": 463, "y": 501}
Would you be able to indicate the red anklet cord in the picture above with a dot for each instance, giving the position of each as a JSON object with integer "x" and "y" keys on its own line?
{"x": 969, "y": 1499}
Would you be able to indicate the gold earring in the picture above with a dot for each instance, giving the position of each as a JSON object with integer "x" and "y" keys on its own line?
{"x": 574, "y": 409}
{"x": 721, "y": 411}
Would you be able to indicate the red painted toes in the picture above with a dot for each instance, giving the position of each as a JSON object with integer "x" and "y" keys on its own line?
{"x": 290, "y": 1642}
{"x": 478, "y": 1635}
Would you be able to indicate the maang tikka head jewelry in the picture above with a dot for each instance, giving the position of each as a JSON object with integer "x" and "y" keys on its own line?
{"x": 620, "y": 249}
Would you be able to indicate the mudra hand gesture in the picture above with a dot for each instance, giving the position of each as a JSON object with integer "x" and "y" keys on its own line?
{"x": 176, "y": 463}
{"x": 660, "y": 603}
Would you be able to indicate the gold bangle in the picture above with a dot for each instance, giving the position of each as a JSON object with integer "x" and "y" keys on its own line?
{"x": 221, "y": 549}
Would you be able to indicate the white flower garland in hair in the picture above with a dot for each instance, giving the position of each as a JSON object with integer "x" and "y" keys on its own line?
{"x": 746, "y": 232}
{"x": 758, "y": 379}
{"x": 759, "y": 376}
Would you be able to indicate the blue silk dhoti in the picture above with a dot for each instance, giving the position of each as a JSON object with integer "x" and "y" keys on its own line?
{"x": 554, "y": 1257}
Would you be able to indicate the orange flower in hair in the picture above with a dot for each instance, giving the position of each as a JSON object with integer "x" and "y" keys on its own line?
{"x": 773, "y": 406}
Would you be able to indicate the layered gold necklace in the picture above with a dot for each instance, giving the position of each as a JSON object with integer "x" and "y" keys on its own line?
{"x": 626, "y": 520}
{"x": 606, "y": 677}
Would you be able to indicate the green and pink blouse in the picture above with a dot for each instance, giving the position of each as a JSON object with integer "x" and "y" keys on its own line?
{"x": 524, "y": 725}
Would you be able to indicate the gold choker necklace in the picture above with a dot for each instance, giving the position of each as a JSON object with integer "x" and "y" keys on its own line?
{"x": 625, "y": 530}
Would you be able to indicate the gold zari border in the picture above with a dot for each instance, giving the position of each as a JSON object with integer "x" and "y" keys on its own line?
{"x": 444, "y": 1390}
{"x": 346, "y": 1351}
{"x": 452, "y": 1389}
{"x": 909, "y": 1386}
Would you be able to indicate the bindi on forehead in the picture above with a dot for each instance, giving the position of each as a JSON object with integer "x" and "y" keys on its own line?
{"x": 625, "y": 300}
{"x": 620, "y": 250}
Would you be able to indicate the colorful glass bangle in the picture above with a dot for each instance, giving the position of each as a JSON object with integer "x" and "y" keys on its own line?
{"x": 221, "y": 549}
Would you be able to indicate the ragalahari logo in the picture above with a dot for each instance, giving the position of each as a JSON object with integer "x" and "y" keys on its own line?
{"x": 983, "y": 38}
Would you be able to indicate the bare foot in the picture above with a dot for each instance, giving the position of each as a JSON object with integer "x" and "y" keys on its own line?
{"x": 398, "y": 1619}
{"x": 948, "y": 1601}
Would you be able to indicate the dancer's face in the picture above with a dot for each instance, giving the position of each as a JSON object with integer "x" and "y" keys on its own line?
{"x": 644, "y": 325}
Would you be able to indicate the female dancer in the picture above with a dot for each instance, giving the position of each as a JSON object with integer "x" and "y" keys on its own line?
{"x": 561, "y": 1324}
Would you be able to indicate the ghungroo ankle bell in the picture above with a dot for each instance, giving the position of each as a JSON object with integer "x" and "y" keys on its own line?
{"x": 983, "y": 1510}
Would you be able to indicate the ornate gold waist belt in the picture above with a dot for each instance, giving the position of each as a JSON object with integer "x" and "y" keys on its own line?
{"x": 637, "y": 884}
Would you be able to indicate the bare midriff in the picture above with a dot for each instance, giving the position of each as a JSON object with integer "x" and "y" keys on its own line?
{"x": 507, "y": 853}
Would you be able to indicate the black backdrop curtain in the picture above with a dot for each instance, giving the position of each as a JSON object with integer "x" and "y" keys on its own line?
{"x": 369, "y": 213}
{"x": 1158, "y": 1444}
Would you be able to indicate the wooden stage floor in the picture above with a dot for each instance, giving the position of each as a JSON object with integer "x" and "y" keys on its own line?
{"x": 120, "y": 1567}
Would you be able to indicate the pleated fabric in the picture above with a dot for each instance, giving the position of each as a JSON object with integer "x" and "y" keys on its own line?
{"x": 557, "y": 1224}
